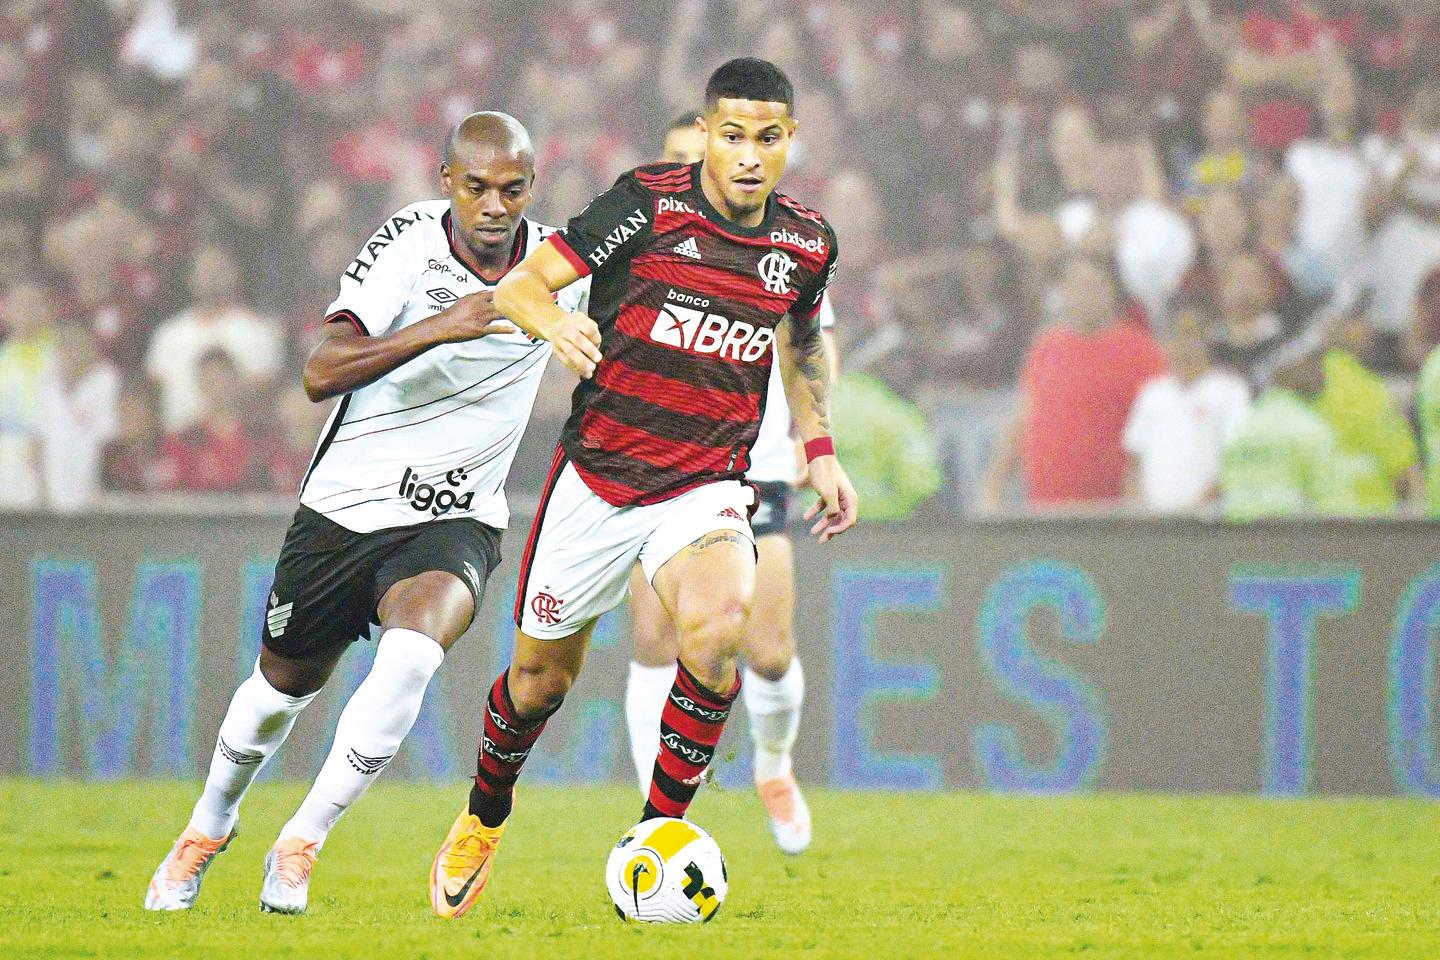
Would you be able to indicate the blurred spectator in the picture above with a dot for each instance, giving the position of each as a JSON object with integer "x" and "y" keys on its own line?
{"x": 1333, "y": 180}
{"x": 1279, "y": 461}
{"x": 219, "y": 451}
{"x": 1250, "y": 328}
{"x": 78, "y": 397}
{"x": 291, "y": 447}
{"x": 1179, "y": 424}
{"x": 1373, "y": 435}
{"x": 1077, "y": 385}
{"x": 1406, "y": 204}
{"x": 26, "y": 356}
{"x": 218, "y": 318}
{"x": 887, "y": 445}
{"x": 131, "y": 461}
{"x": 1226, "y": 159}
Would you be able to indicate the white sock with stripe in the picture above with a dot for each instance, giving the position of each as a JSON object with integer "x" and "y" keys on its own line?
{"x": 256, "y": 724}
{"x": 646, "y": 690}
{"x": 773, "y": 707}
{"x": 374, "y": 723}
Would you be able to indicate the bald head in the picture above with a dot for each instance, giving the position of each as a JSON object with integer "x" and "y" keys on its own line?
{"x": 489, "y": 132}
{"x": 487, "y": 174}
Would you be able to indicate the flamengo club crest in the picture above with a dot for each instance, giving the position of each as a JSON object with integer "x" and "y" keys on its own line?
{"x": 775, "y": 269}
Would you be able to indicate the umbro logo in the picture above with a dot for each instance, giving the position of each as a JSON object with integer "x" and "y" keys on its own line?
{"x": 688, "y": 248}
{"x": 367, "y": 766}
{"x": 278, "y": 616}
{"x": 442, "y": 296}
{"x": 473, "y": 576}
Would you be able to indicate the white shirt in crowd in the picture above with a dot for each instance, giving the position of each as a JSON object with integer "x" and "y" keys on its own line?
{"x": 1331, "y": 224}
{"x": 772, "y": 459}
{"x": 76, "y": 422}
{"x": 174, "y": 357}
{"x": 1406, "y": 246}
{"x": 1154, "y": 247}
{"x": 1177, "y": 431}
{"x": 433, "y": 438}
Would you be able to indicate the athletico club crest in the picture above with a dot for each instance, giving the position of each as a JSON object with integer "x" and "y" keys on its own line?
{"x": 775, "y": 269}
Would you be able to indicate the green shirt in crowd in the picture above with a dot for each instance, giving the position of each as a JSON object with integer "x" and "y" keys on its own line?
{"x": 1378, "y": 447}
{"x": 1276, "y": 463}
{"x": 885, "y": 445}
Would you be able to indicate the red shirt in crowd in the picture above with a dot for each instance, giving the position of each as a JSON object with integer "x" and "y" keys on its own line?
{"x": 1079, "y": 388}
{"x": 203, "y": 459}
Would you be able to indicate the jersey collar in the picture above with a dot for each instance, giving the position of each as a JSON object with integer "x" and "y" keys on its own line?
{"x": 725, "y": 223}
{"x": 522, "y": 243}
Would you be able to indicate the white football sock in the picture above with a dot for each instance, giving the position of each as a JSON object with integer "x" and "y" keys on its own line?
{"x": 774, "y": 710}
{"x": 256, "y": 724}
{"x": 646, "y": 691}
{"x": 374, "y": 723}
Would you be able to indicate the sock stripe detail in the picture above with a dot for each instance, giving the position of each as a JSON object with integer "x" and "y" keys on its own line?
{"x": 241, "y": 758}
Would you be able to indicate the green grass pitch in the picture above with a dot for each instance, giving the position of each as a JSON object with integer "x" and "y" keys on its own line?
{"x": 940, "y": 875}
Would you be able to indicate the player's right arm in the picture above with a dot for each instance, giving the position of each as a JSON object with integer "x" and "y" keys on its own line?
{"x": 347, "y": 359}
{"x": 600, "y": 239}
{"x": 524, "y": 297}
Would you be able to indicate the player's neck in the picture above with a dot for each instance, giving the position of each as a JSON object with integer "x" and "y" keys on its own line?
{"x": 716, "y": 199}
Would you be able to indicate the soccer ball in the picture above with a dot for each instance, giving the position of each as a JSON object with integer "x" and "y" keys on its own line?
{"x": 666, "y": 871}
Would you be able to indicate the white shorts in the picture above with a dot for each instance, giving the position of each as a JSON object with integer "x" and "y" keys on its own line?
{"x": 578, "y": 558}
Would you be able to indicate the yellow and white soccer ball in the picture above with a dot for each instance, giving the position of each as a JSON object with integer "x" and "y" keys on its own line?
{"x": 666, "y": 871}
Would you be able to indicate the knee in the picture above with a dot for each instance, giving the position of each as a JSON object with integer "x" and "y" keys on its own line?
{"x": 715, "y": 625}
{"x": 771, "y": 662}
{"x": 538, "y": 688}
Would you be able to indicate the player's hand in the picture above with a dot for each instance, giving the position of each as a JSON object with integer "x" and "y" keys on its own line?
{"x": 576, "y": 341}
{"x": 838, "y": 508}
{"x": 473, "y": 316}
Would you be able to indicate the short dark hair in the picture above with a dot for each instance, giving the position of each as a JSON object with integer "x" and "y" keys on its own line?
{"x": 749, "y": 78}
{"x": 685, "y": 121}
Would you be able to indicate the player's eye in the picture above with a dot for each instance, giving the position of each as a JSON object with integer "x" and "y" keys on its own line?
{"x": 732, "y": 137}
{"x": 769, "y": 138}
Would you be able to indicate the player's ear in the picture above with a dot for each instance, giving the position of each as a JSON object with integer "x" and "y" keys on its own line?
{"x": 447, "y": 186}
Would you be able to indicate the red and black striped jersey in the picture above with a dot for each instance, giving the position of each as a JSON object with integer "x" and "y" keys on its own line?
{"x": 688, "y": 303}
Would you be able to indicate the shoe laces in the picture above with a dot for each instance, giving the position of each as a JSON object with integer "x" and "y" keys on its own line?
{"x": 294, "y": 859}
{"x": 192, "y": 852}
{"x": 470, "y": 846}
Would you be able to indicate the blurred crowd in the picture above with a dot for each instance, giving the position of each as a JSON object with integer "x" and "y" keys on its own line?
{"x": 1172, "y": 255}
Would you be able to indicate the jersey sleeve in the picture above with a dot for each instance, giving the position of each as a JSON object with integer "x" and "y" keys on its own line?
{"x": 376, "y": 285}
{"x": 812, "y": 296}
{"x": 610, "y": 230}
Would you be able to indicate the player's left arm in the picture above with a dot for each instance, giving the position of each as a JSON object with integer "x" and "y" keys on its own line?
{"x": 803, "y": 352}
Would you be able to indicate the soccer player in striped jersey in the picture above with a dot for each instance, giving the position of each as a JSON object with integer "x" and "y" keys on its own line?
{"x": 702, "y": 277}
{"x": 774, "y": 684}
{"x": 402, "y": 508}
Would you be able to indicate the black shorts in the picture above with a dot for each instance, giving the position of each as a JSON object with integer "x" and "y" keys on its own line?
{"x": 772, "y": 508}
{"x": 329, "y": 580}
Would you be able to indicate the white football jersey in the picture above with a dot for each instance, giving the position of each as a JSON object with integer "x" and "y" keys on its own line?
{"x": 434, "y": 438}
{"x": 772, "y": 459}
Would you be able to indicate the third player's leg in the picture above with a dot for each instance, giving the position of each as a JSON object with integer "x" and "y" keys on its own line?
{"x": 774, "y": 688}
{"x": 652, "y": 673}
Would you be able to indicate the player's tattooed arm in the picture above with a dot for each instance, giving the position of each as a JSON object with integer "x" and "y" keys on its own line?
{"x": 804, "y": 352}
{"x": 347, "y": 360}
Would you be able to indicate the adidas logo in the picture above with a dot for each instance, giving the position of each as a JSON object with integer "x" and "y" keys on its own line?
{"x": 278, "y": 616}
{"x": 731, "y": 513}
{"x": 688, "y": 248}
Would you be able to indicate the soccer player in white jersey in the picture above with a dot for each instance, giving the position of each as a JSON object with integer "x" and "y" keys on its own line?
{"x": 402, "y": 509}
{"x": 774, "y": 684}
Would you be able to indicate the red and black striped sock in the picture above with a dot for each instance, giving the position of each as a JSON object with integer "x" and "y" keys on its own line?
{"x": 503, "y": 750}
{"x": 690, "y": 726}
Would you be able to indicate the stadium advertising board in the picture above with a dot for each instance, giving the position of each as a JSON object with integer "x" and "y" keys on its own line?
{"x": 1010, "y": 655}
